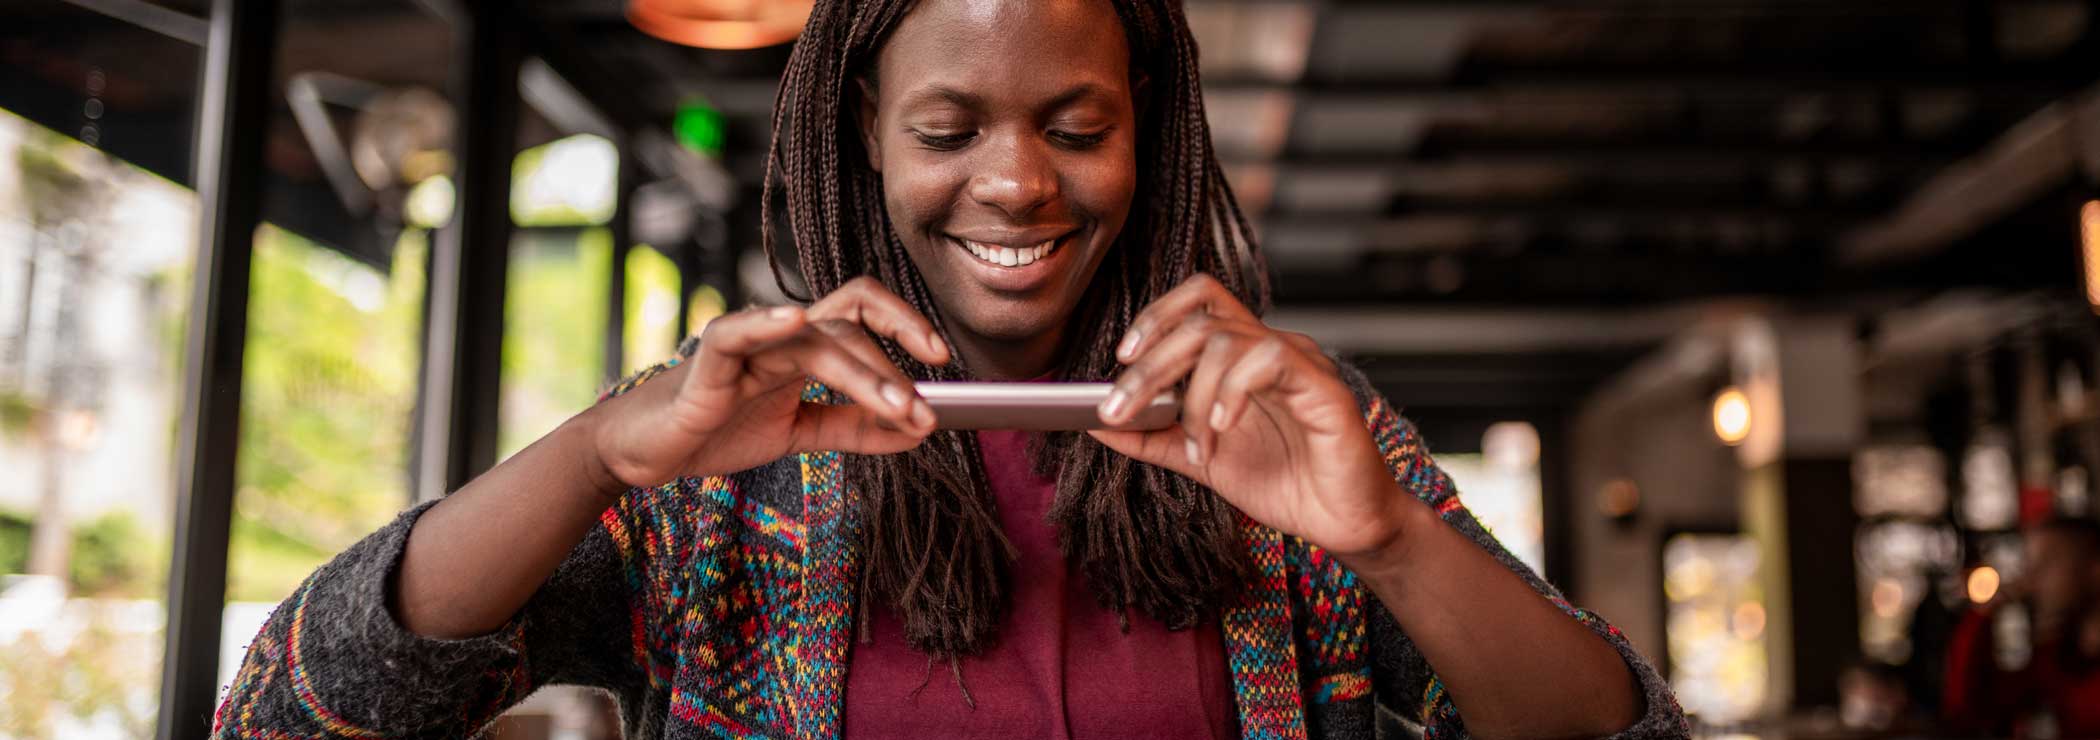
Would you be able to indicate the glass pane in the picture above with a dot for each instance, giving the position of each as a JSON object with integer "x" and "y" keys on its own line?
{"x": 1905, "y": 480}
{"x": 359, "y": 144}
{"x": 553, "y": 330}
{"x": 1715, "y": 626}
{"x": 325, "y": 415}
{"x": 703, "y": 305}
{"x": 652, "y": 308}
{"x": 1501, "y": 487}
{"x": 94, "y": 280}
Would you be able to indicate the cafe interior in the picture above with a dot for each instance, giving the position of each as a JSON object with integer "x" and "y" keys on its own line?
{"x": 1768, "y": 330}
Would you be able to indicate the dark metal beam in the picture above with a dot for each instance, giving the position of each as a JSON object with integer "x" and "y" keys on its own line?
{"x": 234, "y": 104}
{"x": 167, "y": 22}
{"x": 1678, "y": 143}
{"x": 622, "y": 228}
{"x": 1621, "y": 155}
{"x": 469, "y": 260}
{"x": 1580, "y": 83}
{"x": 1593, "y": 278}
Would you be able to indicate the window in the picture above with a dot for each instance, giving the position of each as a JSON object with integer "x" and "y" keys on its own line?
{"x": 1501, "y": 487}
{"x": 1715, "y": 625}
{"x": 94, "y": 278}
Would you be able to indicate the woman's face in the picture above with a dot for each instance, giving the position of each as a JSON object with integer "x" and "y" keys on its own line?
{"x": 1005, "y": 137}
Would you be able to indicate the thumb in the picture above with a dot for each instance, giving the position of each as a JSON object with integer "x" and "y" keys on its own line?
{"x": 1167, "y": 448}
{"x": 849, "y": 428}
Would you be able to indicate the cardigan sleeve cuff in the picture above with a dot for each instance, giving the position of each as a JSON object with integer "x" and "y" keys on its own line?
{"x": 358, "y": 672}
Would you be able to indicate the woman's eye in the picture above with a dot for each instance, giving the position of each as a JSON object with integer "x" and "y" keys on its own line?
{"x": 944, "y": 142}
{"x": 1077, "y": 140}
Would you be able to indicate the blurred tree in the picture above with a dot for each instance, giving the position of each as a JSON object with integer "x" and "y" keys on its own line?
{"x": 325, "y": 411}
{"x": 66, "y": 188}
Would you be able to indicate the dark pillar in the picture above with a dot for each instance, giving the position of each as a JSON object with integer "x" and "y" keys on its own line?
{"x": 622, "y": 228}
{"x": 463, "y": 346}
{"x": 1556, "y": 497}
{"x": 233, "y": 109}
{"x": 1820, "y": 523}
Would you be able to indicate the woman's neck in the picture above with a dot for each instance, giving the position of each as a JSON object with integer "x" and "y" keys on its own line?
{"x": 1007, "y": 359}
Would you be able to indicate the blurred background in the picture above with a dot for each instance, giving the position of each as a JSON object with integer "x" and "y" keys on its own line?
{"x": 1765, "y": 328}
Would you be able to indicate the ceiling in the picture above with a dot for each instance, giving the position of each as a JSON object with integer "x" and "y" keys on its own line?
{"x": 1546, "y": 153}
{"x": 1492, "y": 163}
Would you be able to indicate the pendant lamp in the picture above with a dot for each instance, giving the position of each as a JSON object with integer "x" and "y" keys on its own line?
{"x": 720, "y": 24}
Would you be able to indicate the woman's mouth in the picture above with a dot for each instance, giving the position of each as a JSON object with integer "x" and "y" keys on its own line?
{"x": 1005, "y": 256}
{"x": 1016, "y": 263}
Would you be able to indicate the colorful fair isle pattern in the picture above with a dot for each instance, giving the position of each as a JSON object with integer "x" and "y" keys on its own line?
{"x": 740, "y": 617}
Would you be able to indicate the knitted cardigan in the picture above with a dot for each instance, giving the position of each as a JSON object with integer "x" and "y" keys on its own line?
{"x": 723, "y": 607}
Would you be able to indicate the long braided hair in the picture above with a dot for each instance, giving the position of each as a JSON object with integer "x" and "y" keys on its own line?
{"x": 1142, "y": 536}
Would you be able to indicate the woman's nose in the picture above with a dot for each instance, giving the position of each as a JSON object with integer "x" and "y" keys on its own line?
{"x": 1016, "y": 178}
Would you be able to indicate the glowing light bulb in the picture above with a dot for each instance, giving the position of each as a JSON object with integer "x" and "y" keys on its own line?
{"x": 1732, "y": 416}
{"x": 1983, "y": 584}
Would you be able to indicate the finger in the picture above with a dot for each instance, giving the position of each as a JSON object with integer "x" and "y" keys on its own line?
{"x": 855, "y": 340}
{"x": 820, "y": 356}
{"x": 1200, "y": 294}
{"x": 864, "y": 301}
{"x": 1166, "y": 448}
{"x": 1162, "y": 366}
{"x": 1199, "y": 411}
{"x": 1260, "y": 368}
{"x": 1309, "y": 346}
{"x": 729, "y": 341}
{"x": 850, "y": 428}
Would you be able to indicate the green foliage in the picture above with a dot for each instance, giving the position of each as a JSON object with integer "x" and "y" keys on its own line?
{"x": 325, "y": 411}
{"x": 93, "y": 675}
{"x": 18, "y": 414}
{"x": 114, "y": 556}
{"x": 553, "y": 328}
{"x": 14, "y": 542}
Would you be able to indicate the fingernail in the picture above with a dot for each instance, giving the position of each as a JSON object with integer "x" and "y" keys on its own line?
{"x": 933, "y": 340}
{"x": 1217, "y": 417}
{"x": 896, "y": 396}
{"x": 1129, "y": 345}
{"x": 781, "y": 312}
{"x": 1113, "y": 407}
{"x": 1195, "y": 452}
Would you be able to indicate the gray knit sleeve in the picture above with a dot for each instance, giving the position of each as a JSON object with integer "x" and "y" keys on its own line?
{"x": 332, "y": 661}
{"x": 1404, "y": 682}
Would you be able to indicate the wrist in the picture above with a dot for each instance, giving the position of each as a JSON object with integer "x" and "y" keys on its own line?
{"x": 1407, "y": 523}
{"x": 586, "y": 434}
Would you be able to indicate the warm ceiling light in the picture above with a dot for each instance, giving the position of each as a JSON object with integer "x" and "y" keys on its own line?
{"x": 720, "y": 24}
{"x": 1983, "y": 584}
{"x": 2089, "y": 228}
{"x": 1732, "y": 416}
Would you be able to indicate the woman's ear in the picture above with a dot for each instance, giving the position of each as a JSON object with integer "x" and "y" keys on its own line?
{"x": 870, "y": 139}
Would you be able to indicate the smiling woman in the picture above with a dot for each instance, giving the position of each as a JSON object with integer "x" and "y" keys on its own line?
{"x": 767, "y": 535}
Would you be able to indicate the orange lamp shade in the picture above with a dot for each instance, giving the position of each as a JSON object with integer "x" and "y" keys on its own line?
{"x": 720, "y": 24}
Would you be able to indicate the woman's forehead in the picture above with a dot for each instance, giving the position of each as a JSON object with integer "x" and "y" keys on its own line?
{"x": 1002, "y": 43}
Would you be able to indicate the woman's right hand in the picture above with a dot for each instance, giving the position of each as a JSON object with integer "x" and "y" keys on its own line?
{"x": 737, "y": 402}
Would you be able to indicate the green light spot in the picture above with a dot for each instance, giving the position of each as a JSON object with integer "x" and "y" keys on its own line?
{"x": 699, "y": 127}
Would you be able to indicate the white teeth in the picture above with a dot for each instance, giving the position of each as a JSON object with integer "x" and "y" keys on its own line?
{"x": 1009, "y": 256}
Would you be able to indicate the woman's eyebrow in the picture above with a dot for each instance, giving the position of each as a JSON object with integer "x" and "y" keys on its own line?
{"x": 943, "y": 94}
{"x": 964, "y": 99}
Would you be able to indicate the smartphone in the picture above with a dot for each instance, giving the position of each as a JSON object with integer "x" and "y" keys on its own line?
{"x": 1038, "y": 406}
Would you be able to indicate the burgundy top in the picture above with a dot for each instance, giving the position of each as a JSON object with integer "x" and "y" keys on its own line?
{"x": 1062, "y": 667}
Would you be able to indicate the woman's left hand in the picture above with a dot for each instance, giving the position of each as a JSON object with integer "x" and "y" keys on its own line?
{"x": 1266, "y": 421}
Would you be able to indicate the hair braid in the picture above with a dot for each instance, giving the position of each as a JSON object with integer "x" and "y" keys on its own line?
{"x": 1142, "y": 536}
